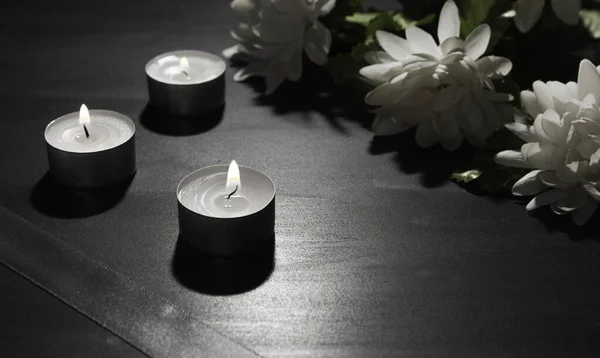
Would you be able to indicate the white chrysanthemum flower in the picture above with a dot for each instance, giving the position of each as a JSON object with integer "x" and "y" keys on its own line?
{"x": 529, "y": 12}
{"x": 563, "y": 145}
{"x": 445, "y": 91}
{"x": 272, "y": 35}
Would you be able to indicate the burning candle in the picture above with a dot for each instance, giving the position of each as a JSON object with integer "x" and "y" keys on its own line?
{"x": 186, "y": 82}
{"x": 91, "y": 148}
{"x": 226, "y": 210}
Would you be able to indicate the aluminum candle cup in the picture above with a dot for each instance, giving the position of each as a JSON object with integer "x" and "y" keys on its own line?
{"x": 91, "y": 149}
{"x": 186, "y": 82}
{"x": 222, "y": 214}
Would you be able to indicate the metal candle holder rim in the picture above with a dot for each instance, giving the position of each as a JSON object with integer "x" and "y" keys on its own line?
{"x": 219, "y": 59}
{"x": 268, "y": 202}
{"x": 129, "y": 120}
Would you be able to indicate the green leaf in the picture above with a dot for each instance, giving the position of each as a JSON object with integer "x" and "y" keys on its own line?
{"x": 474, "y": 13}
{"x": 466, "y": 177}
{"x": 591, "y": 21}
{"x": 362, "y": 18}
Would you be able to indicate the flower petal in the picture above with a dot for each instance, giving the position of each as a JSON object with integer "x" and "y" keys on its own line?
{"x": 542, "y": 155}
{"x": 425, "y": 136}
{"x": 449, "y": 24}
{"x": 452, "y": 45}
{"x": 523, "y": 131}
{"x": 511, "y": 158}
{"x": 477, "y": 42}
{"x": 388, "y": 126}
{"x": 375, "y": 57}
{"x": 528, "y": 13}
{"x": 494, "y": 66}
{"x": 588, "y": 80}
{"x": 530, "y": 184}
{"x": 550, "y": 179}
{"x": 382, "y": 72}
{"x": 544, "y": 95}
{"x": 530, "y": 103}
{"x": 592, "y": 191}
{"x": 567, "y": 10}
{"x": 546, "y": 198}
{"x": 253, "y": 69}
{"x": 324, "y": 7}
{"x": 575, "y": 200}
{"x": 395, "y": 46}
{"x": 422, "y": 42}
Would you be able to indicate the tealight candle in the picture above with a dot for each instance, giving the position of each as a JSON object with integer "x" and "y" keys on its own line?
{"x": 226, "y": 210}
{"x": 186, "y": 82}
{"x": 91, "y": 149}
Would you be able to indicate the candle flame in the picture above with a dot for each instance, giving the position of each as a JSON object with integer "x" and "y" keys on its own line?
{"x": 184, "y": 64}
{"x": 233, "y": 178}
{"x": 84, "y": 115}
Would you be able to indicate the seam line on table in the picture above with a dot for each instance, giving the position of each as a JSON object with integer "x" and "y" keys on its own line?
{"x": 125, "y": 278}
{"x": 58, "y": 297}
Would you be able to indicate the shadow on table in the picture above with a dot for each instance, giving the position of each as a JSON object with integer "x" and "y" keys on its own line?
{"x": 315, "y": 92}
{"x": 435, "y": 165}
{"x": 54, "y": 199}
{"x": 163, "y": 123}
{"x": 564, "y": 224}
{"x": 221, "y": 276}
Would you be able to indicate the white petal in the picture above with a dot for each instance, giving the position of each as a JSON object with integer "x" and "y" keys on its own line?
{"x": 573, "y": 90}
{"x": 452, "y": 45}
{"x": 243, "y": 6}
{"x": 550, "y": 179}
{"x": 375, "y": 57}
{"x": 395, "y": 46}
{"x": 383, "y": 94}
{"x": 575, "y": 200}
{"x": 528, "y": 13}
{"x": 447, "y": 98}
{"x": 523, "y": 131}
{"x": 511, "y": 158}
{"x": 449, "y": 24}
{"x": 253, "y": 69}
{"x": 588, "y": 80}
{"x": 425, "y": 136}
{"x": 530, "y": 103}
{"x": 317, "y": 43}
{"x": 567, "y": 10}
{"x": 494, "y": 67}
{"x": 324, "y": 7}
{"x": 547, "y": 126}
{"x": 530, "y": 184}
{"x": 546, "y": 198}
{"x": 477, "y": 42}
{"x": 422, "y": 42}
{"x": 592, "y": 191}
{"x": 541, "y": 155}
{"x": 544, "y": 95}
{"x": 382, "y": 72}
{"x": 232, "y": 51}
{"x": 388, "y": 126}
{"x": 584, "y": 214}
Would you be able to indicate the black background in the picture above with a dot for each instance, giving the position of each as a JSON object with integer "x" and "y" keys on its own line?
{"x": 376, "y": 254}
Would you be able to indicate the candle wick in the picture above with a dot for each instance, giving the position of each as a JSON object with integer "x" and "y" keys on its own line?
{"x": 187, "y": 77}
{"x": 233, "y": 192}
{"x": 87, "y": 134}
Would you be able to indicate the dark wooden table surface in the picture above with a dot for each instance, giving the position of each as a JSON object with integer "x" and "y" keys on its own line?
{"x": 375, "y": 255}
